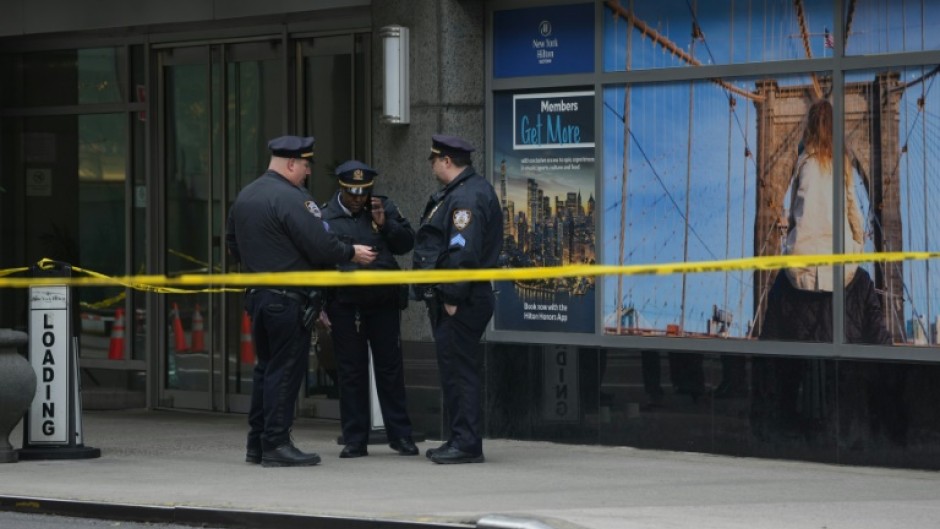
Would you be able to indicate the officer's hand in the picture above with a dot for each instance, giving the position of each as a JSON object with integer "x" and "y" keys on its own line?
{"x": 364, "y": 254}
{"x": 451, "y": 309}
{"x": 324, "y": 319}
{"x": 378, "y": 211}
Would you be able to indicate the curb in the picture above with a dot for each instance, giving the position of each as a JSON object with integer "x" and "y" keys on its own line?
{"x": 205, "y": 517}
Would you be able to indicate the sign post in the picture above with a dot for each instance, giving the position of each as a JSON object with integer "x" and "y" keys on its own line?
{"x": 53, "y": 426}
{"x": 376, "y": 422}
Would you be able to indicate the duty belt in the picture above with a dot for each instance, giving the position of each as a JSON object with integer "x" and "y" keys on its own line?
{"x": 290, "y": 294}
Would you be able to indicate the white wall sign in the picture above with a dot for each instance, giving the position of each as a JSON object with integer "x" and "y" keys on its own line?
{"x": 48, "y": 354}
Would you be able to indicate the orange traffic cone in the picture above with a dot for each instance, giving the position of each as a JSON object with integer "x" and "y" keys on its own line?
{"x": 198, "y": 334}
{"x": 178, "y": 336}
{"x": 116, "y": 349}
{"x": 247, "y": 347}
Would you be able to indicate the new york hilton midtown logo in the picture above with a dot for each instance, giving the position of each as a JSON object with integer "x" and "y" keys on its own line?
{"x": 544, "y": 47}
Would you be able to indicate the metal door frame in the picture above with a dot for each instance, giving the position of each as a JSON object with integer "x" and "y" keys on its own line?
{"x": 214, "y": 398}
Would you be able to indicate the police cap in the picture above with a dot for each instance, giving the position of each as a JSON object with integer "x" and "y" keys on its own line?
{"x": 443, "y": 145}
{"x": 292, "y": 147}
{"x": 355, "y": 177}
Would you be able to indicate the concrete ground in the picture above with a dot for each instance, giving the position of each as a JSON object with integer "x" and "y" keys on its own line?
{"x": 179, "y": 460}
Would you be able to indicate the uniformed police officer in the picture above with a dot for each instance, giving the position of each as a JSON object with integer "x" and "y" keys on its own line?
{"x": 366, "y": 316}
{"x": 275, "y": 226}
{"x": 462, "y": 227}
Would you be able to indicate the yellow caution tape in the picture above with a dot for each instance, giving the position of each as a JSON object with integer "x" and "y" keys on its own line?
{"x": 159, "y": 283}
{"x": 99, "y": 279}
{"x": 105, "y": 303}
{"x": 10, "y": 271}
{"x": 187, "y": 257}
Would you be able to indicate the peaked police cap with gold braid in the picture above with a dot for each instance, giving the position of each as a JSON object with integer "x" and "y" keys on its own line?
{"x": 355, "y": 177}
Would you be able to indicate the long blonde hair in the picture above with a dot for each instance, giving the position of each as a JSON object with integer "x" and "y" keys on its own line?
{"x": 817, "y": 142}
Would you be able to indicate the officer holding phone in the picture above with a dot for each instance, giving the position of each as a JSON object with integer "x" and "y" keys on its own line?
{"x": 364, "y": 316}
{"x": 275, "y": 226}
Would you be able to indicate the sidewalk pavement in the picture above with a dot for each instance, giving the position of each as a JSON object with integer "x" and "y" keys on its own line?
{"x": 175, "y": 460}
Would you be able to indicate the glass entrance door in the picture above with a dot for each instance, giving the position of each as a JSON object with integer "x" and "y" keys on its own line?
{"x": 335, "y": 107}
{"x": 219, "y": 104}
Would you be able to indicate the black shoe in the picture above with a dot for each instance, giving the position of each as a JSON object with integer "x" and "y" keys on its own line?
{"x": 253, "y": 452}
{"x": 354, "y": 450}
{"x": 404, "y": 446}
{"x": 453, "y": 455}
{"x": 287, "y": 455}
{"x": 430, "y": 451}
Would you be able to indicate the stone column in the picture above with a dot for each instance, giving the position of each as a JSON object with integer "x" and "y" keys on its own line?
{"x": 447, "y": 96}
{"x": 17, "y": 388}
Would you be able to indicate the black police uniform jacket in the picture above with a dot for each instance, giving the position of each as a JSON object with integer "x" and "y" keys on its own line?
{"x": 462, "y": 227}
{"x": 275, "y": 226}
{"x": 394, "y": 237}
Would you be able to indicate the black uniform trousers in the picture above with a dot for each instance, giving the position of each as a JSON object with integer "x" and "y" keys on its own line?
{"x": 380, "y": 327}
{"x": 456, "y": 339}
{"x": 282, "y": 348}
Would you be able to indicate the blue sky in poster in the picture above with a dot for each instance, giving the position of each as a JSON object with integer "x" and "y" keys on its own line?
{"x": 734, "y": 32}
{"x": 720, "y": 209}
{"x": 663, "y": 153}
{"x": 743, "y": 31}
{"x": 722, "y": 221}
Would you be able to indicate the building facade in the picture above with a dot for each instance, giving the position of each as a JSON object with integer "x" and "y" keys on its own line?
{"x": 614, "y": 132}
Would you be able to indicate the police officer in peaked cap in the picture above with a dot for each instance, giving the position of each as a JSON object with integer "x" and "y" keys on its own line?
{"x": 361, "y": 317}
{"x": 274, "y": 225}
{"x": 461, "y": 228}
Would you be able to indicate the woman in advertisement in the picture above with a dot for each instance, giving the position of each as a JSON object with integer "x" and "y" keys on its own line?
{"x": 799, "y": 306}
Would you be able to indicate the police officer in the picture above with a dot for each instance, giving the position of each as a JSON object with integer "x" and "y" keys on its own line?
{"x": 275, "y": 226}
{"x": 462, "y": 227}
{"x": 366, "y": 316}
